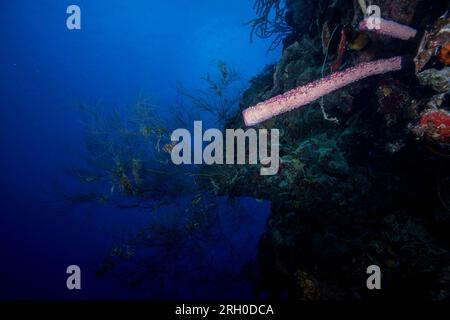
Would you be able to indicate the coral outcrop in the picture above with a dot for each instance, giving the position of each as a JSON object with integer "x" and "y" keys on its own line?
{"x": 373, "y": 188}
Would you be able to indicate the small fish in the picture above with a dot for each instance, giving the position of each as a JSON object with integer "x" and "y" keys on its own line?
{"x": 90, "y": 179}
{"x": 169, "y": 147}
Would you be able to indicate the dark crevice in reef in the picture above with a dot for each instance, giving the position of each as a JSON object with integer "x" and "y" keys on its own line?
{"x": 373, "y": 190}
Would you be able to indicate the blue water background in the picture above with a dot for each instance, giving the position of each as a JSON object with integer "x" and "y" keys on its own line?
{"x": 124, "y": 48}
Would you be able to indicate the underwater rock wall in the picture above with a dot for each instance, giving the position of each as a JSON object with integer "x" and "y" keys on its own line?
{"x": 373, "y": 188}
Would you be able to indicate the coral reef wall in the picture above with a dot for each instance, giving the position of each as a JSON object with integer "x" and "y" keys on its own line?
{"x": 373, "y": 188}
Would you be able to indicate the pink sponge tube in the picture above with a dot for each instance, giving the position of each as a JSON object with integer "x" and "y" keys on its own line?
{"x": 306, "y": 94}
{"x": 391, "y": 29}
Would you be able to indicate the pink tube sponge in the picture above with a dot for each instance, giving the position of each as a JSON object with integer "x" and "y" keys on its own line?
{"x": 306, "y": 94}
{"x": 391, "y": 29}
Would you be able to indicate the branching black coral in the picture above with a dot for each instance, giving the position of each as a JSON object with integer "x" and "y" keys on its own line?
{"x": 127, "y": 158}
{"x": 270, "y": 21}
{"x": 220, "y": 97}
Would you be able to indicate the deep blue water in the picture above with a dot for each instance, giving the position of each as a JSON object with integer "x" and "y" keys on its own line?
{"x": 124, "y": 48}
